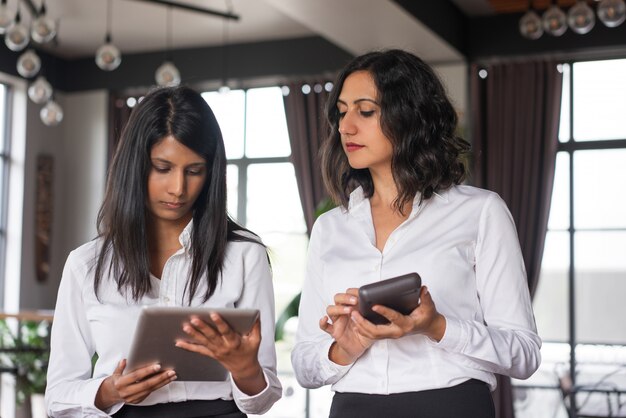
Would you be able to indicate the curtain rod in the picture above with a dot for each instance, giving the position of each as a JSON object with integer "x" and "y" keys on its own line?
{"x": 225, "y": 15}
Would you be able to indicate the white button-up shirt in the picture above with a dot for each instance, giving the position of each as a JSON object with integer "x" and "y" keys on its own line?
{"x": 83, "y": 326}
{"x": 464, "y": 245}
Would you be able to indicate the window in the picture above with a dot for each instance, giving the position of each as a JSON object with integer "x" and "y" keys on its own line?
{"x": 4, "y": 177}
{"x": 579, "y": 301}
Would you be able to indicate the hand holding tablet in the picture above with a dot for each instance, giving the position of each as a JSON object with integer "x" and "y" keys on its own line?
{"x": 159, "y": 328}
{"x": 401, "y": 293}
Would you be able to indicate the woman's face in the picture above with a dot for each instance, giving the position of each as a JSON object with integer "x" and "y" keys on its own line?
{"x": 175, "y": 180}
{"x": 362, "y": 138}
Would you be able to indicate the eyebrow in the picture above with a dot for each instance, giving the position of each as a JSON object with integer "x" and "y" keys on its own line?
{"x": 359, "y": 101}
{"x": 163, "y": 160}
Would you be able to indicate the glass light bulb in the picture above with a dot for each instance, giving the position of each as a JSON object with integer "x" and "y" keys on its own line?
{"x": 167, "y": 74}
{"x": 530, "y": 25}
{"x": 580, "y": 18}
{"x": 6, "y": 18}
{"x": 28, "y": 64}
{"x": 108, "y": 57}
{"x": 17, "y": 37}
{"x": 40, "y": 90}
{"x": 612, "y": 12}
{"x": 554, "y": 21}
{"x": 51, "y": 114}
{"x": 43, "y": 29}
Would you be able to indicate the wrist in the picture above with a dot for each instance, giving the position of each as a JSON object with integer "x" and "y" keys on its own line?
{"x": 104, "y": 396}
{"x": 437, "y": 328}
{"x": 338, "y": 355}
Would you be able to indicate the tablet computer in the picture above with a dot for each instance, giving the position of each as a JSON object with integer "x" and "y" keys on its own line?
{"x": 401, "y": 293}
{"x": 159, "y": 327}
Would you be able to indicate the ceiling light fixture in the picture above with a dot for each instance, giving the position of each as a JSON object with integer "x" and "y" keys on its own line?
{"x": 17, "y": 37}
{"x": 108, "y": 56}
{"x": 6, "y": 17}
{"x": 51, "y": 114}
{"x": 580, "y": 18}
{"x": 225, "y": 88}
{"x": 167, "y": 74}
{"x": 43, "y": 28}
{"x": 40, "y": 91}
{"x": 28, "y": 64}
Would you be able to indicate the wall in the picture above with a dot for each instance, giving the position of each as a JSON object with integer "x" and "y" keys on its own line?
{"x": 78, "y": 146}
{"x": 454, "y": 77}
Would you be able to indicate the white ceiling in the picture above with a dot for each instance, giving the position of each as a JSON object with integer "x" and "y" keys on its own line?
{"x": 139, "y": 26}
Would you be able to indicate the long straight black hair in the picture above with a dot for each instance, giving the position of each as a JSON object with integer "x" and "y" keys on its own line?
{"x": 182, "y": 113}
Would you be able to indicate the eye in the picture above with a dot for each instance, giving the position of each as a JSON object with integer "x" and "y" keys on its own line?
{"x": 195, "y": 171}
{"x": 160, "y": 169}
{"x": 367, "y": 113}
{"x": 341, "y": 114}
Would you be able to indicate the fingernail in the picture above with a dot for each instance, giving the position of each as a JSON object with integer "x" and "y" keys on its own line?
{"x": 172, "y": 373}
{"x": 157, "y": 367}
{"x": 346, "y": 310}
{"x": 352, "y": 299}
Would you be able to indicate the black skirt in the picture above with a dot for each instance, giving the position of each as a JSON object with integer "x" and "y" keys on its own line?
{"x": 190, "y": 409}
{"x": 470, "y": 399}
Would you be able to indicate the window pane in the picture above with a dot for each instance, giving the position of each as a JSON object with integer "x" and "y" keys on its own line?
{"x": 600, "y": 268}
{"x": 599, "y": 178}
{"x": 599, "y": 100}
{"x": 559, "y": 207}
{"x": 229, "y": 110}
{"x": 564, "y": 132}
{"x": 266, "y": 126}
{"x": 273, "y": 199}
{"x": 551, "y": 300}
{"x": 232, "y": 189}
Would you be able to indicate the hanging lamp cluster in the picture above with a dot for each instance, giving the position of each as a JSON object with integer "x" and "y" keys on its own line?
{"x": 580, "y": 18}
{"x": 17, "y": 37}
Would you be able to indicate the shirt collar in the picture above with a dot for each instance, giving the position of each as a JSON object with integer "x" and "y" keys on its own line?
{"x": 185, "y": 236}
{"x": 357, "y": 198}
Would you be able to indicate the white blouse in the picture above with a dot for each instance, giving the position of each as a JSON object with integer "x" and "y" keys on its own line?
{"x": 464, "y": 245}
{"x": 83, "y": 326}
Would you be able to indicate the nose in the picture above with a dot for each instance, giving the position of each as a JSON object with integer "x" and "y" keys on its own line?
{"x": 347, "y": 125}
{"x": 177, "y": 183}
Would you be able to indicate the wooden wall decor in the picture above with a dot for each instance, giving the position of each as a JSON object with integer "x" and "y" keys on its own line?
{"x": 43, "y": 216}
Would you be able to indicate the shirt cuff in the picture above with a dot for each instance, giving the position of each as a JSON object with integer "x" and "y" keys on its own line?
{"x": 262, "y": 401}
{"x": 329, "y": 369}
{"x": 453, "y": 337}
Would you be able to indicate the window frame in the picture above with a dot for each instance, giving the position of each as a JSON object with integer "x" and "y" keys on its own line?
{"x": 5, "y": 157}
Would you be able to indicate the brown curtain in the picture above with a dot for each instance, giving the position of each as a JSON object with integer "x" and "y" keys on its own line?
{"x": 306, "y": 126}
{"x": 515, "y": 121}
{"x": 119, "y": 113}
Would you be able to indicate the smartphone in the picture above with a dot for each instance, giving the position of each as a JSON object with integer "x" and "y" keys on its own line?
{"x": 401, "y": 293}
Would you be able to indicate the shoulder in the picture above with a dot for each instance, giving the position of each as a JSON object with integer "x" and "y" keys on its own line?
{"x": 246, "y": 243}
{"x": 85, "y": 255}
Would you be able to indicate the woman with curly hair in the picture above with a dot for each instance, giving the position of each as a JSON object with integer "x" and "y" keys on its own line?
{"x": 395, "y": 167}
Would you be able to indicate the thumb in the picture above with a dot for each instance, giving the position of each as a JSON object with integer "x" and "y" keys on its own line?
{"x": 120, "y": 367}
{"x": 425, "y": 296}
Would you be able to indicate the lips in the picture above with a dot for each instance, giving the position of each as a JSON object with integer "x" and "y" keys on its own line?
{"x": 173, "y": 205}
{"x": 351, "y": 146}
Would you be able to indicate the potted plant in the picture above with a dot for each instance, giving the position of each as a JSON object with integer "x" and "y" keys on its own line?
{"x": 25, "y": 353}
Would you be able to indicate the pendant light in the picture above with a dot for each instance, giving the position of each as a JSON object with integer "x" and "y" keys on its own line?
{"x": 530, "y": 25}
{"x": 28, "y": 64}
{"x": 17, "y": 35}
{"x": 43, "y": 29}
{"x": 40, "y": 91}
{"x": 51, "y": 114}
{"x": 6, "y": 17}
{"x": 108, "y": 56}
{"x": 612, "y": 12}
{"x": 554, "y": 20}
{"x": 167, "y": 74}
{"x": 581, "y": 18}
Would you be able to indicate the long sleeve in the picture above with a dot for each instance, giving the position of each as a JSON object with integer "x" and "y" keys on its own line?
{"x": 507, "y": 341}
{"x": 71, "y": 390}
{"x": 258, "y": 293}
{"x": 309, "y": 357}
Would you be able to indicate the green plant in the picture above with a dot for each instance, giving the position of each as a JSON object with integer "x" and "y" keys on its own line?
{"x": 26, "y": 353}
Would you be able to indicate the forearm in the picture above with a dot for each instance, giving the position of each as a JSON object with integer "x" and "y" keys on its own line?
{"x": 250, "y": 380}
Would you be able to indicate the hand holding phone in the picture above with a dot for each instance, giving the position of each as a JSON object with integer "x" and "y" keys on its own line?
{"x": 401, "y": 293}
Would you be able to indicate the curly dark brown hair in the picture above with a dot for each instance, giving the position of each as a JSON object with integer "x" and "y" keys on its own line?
{"x": 418, "y": 119}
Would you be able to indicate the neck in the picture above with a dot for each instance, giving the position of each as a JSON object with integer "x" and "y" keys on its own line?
{"x": 164, "y": 235}
{"x": 385, "y": 190}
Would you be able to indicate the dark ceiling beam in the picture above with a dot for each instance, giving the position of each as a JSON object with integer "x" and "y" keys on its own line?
{"x": 192, "y": 8}
{"x": 442, "y": 17}
{"x": 499, "y": 37}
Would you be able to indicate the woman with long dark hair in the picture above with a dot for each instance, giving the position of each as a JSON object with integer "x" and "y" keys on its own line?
{"x": 164, "y": 238}
{"x": 394, "y": 165}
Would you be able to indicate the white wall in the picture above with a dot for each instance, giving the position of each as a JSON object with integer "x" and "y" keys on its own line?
{"x": 454, "y": 77}
{"x": 78, "y": 146}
